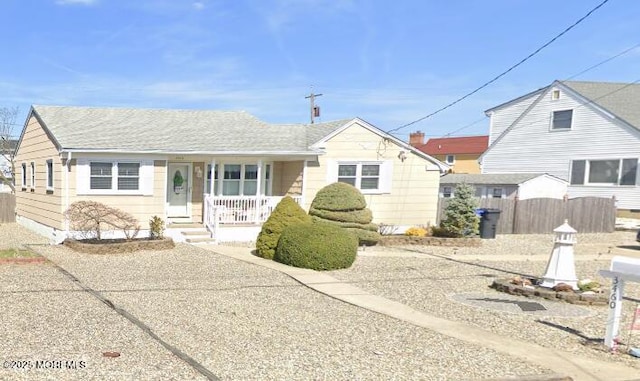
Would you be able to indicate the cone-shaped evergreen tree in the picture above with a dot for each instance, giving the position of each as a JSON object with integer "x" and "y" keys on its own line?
{"x": 460, "y": 216}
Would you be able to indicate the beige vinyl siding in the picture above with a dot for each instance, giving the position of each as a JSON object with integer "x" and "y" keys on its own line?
{"x": 141, "y": 207}
{"x": 414, "y": 193}
{"x": 39, "y": 205}
{"x": 290, "y": 178}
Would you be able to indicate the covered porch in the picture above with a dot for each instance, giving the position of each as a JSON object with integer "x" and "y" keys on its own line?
{"x": 232, "y": 192}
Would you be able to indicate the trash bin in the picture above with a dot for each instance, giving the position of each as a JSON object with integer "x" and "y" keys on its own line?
{"x": 488, "y": 222}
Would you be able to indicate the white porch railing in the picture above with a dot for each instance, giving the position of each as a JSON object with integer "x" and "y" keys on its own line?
{"x": 240, "y": 209}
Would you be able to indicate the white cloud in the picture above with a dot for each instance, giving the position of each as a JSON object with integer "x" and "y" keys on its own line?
{"x": 198, "y": 5}
{"x": 77, "y": 2}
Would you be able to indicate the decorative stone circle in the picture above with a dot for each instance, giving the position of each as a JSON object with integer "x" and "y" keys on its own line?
{"x": 518, "y": 305}
{"x": 577, "y": 297}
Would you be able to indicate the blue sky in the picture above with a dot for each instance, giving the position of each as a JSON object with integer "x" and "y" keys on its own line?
{"x": 387, "y": 62}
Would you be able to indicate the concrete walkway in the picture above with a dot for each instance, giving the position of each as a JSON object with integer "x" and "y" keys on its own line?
{"x": 579, "y": 368}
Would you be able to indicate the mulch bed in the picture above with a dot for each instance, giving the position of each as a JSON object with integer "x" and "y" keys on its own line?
{"x": 115, "y": 246}
{"x": 404, "y": 240}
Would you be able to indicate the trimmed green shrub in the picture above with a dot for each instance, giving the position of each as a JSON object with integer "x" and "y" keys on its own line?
{"x": 343, "y": 205}
{"x": 339, "y": 197}
{"x": 316, "y": 246}
{"x": 372, "y": 227}
{"x": 286, "y": 213}
{"x": 437, "y": 231}
{"x": 365, "y": 237}
{"x": 362, "y": 216}
{"x": 460, "y": 213}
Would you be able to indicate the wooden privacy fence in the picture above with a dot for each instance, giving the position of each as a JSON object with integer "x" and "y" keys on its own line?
{"x": 7, "y": 207}
{"x": 542, "y": 215}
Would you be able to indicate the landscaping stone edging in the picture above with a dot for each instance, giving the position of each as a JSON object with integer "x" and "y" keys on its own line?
{"x": 404, "y": 240}
{"x": 120, "y": 247}
{"x": 23, "y": 260}
{"x": 505, "y": 285}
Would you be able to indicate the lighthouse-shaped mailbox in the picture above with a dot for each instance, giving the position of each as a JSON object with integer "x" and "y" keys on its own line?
{"x": 561, "y": 267}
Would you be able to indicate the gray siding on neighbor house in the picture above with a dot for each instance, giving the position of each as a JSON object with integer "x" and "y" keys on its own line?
{"x": 502, "y": 118}
{"x": 530, "y": 146}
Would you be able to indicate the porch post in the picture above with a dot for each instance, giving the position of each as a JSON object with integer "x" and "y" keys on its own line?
{"x": 212, "y": 182}
{"x": 302, "y": 186}
{"x": 259, "y": 194}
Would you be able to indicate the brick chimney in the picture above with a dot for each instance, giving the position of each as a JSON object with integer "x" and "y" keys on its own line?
{"x": 416, "y": 139}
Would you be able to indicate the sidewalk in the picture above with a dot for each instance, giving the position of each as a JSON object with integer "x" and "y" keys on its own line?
{"x": 578, "y": 368}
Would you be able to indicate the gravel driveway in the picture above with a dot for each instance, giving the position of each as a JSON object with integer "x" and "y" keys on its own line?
{"x": 434, "y": 279}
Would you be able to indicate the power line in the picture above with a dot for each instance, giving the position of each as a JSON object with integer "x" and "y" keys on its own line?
{"x": 504, "y": 72}
{"x": 571, "y": 77}
{"x": 604, "y": 61}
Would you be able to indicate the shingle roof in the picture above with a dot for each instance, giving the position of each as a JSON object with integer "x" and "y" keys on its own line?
{"x": 621, "y": 99}
{"x": 457, "y": 145}
{"x": 488, "y": 178}
{"x": 8, "y": 146}
{"x": 176, "y": 130}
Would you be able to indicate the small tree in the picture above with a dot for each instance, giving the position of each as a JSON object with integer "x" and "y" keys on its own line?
{"x": 91, "y": 218}
{"x": 460, "y": 217}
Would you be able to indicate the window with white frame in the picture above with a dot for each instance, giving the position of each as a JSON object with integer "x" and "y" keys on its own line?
{"x": 555, "y": 95}
{"x": 604, "y": 172}
{"x": 49, "y": 165}
{"x": 240, "y": 180}
{"x": 497, "y": 193}
{"x": 32, "y": 183}
{"x": 562, "y": 120}
{"x": 369, "y": 177}
{"x": 24, "y": 176}
{"x": 447, "y": 192}
{"x": 121, "y": 176}
{"x": 126, "y": 176}
{"x": 450, "y": 159}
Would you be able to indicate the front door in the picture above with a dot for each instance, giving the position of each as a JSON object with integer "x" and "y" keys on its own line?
{"x": 178, "y": 190}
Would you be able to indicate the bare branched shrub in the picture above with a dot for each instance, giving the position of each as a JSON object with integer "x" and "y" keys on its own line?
{"x": 91, "y": 218}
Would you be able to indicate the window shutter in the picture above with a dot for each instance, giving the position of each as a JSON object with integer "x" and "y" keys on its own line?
{"x": 577, "y": 172}
{"x": 332, "y": 171}
{"x": 83, "y": 175}
{"x": 146, "y": 177}
{"x": 386, "y": 176}
{"x": 629, "y": 170}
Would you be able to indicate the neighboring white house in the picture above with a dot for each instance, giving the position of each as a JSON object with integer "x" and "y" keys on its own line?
{"x": 506, "y": 185}
{"x": 6, "y": 152}
{"x": 587, "y": 133}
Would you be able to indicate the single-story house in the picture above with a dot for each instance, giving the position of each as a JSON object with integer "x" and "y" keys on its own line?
{"x": 225, "y": 169}
{"x": 587, "y": 133}
{"x": 506, "y": 185}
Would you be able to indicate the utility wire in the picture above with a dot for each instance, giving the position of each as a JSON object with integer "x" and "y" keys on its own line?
{"x": 569, "y": 78}
{"x": 504, "y": 72}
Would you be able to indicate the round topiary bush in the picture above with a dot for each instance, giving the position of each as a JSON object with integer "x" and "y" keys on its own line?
{"x": 316, "y": 246}
{"x": 343, "y": 205}
{"x": 286, "y": 213}
{"x": 339, "y": 197}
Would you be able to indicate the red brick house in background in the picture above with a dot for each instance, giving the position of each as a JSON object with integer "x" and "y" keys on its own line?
{"x": 461, "y": 153}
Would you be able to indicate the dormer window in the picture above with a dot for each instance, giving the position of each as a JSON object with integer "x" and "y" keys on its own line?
{"x": 555, "y": 95}
{"x": 562, "y": 120}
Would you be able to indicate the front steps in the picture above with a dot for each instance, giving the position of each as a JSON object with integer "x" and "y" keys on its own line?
{"x": 193, "y": 233}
